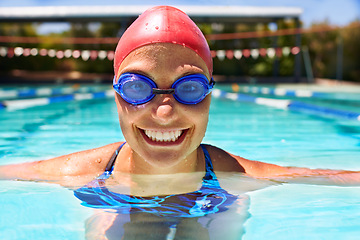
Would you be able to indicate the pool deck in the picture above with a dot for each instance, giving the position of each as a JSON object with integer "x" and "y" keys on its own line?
{"x": 325, "y": 85}
{"x": 28, "y": 77}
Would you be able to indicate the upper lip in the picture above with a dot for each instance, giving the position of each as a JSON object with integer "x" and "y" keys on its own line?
{"x": 162, "y": 129}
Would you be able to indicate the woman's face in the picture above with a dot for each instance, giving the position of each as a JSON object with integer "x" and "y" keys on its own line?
{"x": 163, "y": 132}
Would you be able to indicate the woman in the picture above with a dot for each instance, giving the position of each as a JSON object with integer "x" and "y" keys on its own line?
{"x": 163, "y": 77}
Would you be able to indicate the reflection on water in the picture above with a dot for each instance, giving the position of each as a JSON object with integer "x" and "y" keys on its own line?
{"x": 50, "y": 210}
{"x": 201, "y": 214}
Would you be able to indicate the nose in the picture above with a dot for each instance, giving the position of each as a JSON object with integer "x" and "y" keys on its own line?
{"x": 164, "y": 109}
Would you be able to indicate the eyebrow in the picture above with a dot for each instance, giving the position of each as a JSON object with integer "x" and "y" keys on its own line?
{"x": 187, "y": 72}
{"x": 191, "y": 73}
{"x": 153, "y": 79}
{"x": 138, "y": 72}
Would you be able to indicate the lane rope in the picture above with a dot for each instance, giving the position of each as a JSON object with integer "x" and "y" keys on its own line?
{"x": 27, "y": 103}
{"x": 43, "y": 91}
{"x": 286, "y": 104}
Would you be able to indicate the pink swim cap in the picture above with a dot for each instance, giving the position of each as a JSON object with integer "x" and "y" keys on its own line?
{"x": 162, "y": 24}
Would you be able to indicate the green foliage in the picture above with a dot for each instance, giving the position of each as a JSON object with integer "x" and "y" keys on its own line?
{"x": 262, "y": 68}
{"x": 322, "y": 47}
{"x": 24, "y": 63}
{"x": 351, "y": 41}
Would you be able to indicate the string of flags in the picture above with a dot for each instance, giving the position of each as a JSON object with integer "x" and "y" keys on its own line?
{"x": 86, "y": 55}
{"x": 255, "y": 53}
{"x": 59, "y": 54}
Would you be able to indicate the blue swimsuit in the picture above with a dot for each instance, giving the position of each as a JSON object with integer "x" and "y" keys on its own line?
{"x": 210, "y": 198}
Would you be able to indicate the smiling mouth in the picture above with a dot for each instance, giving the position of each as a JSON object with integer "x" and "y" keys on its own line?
{"x": 168, "y": 136}
{"x": 164, "y": 137}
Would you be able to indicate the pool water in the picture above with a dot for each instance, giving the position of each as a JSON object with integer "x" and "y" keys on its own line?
{"x": 289, "y": 211}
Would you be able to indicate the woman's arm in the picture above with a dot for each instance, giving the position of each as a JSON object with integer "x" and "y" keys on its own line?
{"x": 299, "y": 175}
{"x": 88, "y": 162}
{"x": 226, "y": 162}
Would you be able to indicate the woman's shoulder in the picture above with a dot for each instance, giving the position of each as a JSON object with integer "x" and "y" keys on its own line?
{"x": 227, "y": 162}
{"x": 87, "y": 162}
{"x": 223, "y": 161}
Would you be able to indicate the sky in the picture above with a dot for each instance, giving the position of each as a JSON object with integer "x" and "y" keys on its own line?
{"x": 336, "y": 12}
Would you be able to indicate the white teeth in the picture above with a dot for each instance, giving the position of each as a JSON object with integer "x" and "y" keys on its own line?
{"x": 169, "y": 136}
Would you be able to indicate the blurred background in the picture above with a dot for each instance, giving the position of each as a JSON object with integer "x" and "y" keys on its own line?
{"x": 252, "y": 42}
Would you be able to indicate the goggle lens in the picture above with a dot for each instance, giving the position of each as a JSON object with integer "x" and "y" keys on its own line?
{"x": 190, "y": 92}
{"x": 136, "y": 90}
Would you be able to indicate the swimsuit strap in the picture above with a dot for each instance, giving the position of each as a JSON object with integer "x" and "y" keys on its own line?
{"x": 110, "y": 166}
{"x": 209, "y": 175}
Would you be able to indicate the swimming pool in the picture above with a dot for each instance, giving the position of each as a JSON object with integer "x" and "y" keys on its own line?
{"x": 288, "y": 211}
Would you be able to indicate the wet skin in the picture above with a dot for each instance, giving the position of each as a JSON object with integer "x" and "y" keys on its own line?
{"x": 163, "y": 114}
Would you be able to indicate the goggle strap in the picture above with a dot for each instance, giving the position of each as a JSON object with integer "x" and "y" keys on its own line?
{"x": 163, "y": 91}
{"x": 212, "y": 82}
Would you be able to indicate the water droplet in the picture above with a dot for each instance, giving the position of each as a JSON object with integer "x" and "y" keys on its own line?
{"x": 157, "y": 28}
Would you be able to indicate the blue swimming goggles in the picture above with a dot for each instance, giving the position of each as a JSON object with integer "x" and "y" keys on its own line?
{"x": 137, "y": 89}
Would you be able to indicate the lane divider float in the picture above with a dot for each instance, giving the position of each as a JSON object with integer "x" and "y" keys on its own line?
{"x": 44, "y": 91}
{"x": 286, "y": 104}
{"x": 304, "y": 93}
{"x": 27, "y": 103}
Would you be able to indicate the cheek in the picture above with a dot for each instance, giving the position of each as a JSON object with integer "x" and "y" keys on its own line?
{"x": 125, "y": 113}
{"x": 129, "y": 115}
{"x": 205, "y": 112}
{"x": 200, "y": 115}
